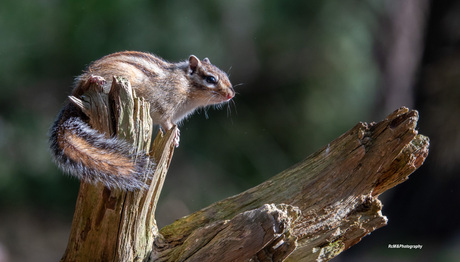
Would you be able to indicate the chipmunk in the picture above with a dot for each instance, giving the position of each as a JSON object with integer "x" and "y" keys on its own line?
{"x": 174, "y": 91}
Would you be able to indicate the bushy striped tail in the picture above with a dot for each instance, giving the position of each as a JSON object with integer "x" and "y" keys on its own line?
{"x": 90, "y": 156}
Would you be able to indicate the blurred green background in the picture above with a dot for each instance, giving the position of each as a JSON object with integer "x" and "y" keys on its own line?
{"x": 307, "y": 71}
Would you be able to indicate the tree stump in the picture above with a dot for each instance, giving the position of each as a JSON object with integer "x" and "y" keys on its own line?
{"x": 310, "y": 212}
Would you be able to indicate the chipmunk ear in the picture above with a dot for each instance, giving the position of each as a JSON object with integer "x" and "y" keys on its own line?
{"x": 194, "y": 63}
{"x": 206, "y": 60}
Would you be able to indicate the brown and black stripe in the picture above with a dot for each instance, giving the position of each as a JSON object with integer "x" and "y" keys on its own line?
{"x": 89, "y": 155}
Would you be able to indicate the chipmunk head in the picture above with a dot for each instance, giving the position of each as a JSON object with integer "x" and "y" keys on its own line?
{"x": 209, "y": 81}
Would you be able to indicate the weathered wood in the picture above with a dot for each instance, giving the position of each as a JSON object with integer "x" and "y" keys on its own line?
{"x": 309, "y": 212}
{"x": 115, "y": 225}
{"x": 335, "y": 189}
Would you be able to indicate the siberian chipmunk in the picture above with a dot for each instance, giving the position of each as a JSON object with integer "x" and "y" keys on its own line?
{"x": 174, "y": 91}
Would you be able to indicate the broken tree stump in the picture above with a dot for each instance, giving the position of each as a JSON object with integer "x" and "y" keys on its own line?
{"x": 309, "y": 212}
{"x": 115, "y": 225}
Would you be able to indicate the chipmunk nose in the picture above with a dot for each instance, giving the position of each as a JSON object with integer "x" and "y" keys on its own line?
{"x": 230, "y": 94}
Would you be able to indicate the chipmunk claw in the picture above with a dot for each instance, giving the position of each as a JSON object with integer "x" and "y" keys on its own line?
{"x": 98, "y": 80}
{"x": 177, "y": 138}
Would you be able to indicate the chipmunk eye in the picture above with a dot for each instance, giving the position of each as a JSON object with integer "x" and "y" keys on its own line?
{"x": 210, "y": 80}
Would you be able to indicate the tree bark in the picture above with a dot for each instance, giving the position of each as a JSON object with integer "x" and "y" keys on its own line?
{"x": 309, "y": 212}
